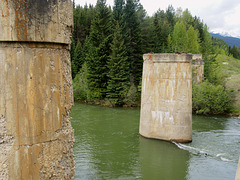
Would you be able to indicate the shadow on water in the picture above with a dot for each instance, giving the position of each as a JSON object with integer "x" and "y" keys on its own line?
{"x": 164, "y": 160}
{"x": 208, "y": 123}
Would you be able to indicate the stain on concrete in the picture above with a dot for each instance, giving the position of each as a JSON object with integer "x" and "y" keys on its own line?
{"x": 36, "y": 20}
{"x": 166, "y": 107}
{"x": 36, "y": 137}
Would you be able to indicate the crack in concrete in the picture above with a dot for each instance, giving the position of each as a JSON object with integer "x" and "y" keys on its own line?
{"x": 37, "y": 144}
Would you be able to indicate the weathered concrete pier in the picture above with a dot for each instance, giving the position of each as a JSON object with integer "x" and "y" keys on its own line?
{"x": 166, "y": 107}
{"x": 238, "y": 171}
{"x": 36, "y": 137}
{"x": 197, "y": 68}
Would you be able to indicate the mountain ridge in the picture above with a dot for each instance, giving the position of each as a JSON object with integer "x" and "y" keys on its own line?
{"x": 231, "y": 41}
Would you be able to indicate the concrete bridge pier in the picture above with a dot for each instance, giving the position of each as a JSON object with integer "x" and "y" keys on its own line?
{"x": 36, "y": 137}
{"x": 197, "y": 68}
{"x": 238, "y": 171}
{"x": 166, "y": 107}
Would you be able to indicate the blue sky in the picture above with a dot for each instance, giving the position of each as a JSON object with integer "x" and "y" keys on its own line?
{"x": 221, "y": 16}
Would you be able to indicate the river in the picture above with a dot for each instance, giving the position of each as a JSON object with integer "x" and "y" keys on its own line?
{"x": 108, "y": 146}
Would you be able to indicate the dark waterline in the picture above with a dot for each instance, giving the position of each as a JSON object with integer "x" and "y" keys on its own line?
{"x": 108, "y": 146}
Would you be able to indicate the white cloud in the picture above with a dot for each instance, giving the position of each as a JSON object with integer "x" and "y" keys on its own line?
{"x": 219, "y": 15}
{"x": 223, "y": 17}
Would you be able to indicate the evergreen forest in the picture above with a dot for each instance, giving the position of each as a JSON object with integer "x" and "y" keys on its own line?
{"x": 108, "y": 44}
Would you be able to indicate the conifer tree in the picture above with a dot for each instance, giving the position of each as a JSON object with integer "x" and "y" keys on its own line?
{"x": 170, "y": 46}
{"x": 170, "y": 15}
{"x": 198, "y": 25}
{"x": 133, "y": 41}
{"x": 235, "y": 51}
{"x": 179, "y": 38}
{"x": 192, "y": 41}
{"x": 118, "y": 11}
{"x": 118, "y": 76}
{"x": 163, "y": 23}
{"x": 83, "y": 17}
{"x": 207, "y": 52}
{"x": 113, "y": 65}
{"x": 77, "y": 59}
{"x": 157, "y": 32}
{"x": 99, "y": 50}
{"x": 72, "y": 48}
{"x": 187, "y": 18}
{"x": 206, "y": 45}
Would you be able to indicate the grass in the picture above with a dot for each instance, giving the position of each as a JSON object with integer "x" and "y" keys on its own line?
{"x": 230, "y": 68}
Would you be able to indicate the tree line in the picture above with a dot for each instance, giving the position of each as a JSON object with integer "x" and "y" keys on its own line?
{"x": 108, "y": 44}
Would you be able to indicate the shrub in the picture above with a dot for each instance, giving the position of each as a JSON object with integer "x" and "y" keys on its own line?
{"x": 80, "y": 85}
{"x": 132, "y": 98}
{"x": 211, "y": 99}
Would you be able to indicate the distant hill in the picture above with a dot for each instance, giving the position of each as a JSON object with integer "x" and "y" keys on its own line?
{"x": 228, "y": 39}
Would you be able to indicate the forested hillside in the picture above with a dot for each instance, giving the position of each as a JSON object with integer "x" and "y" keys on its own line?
{"x": 108, "y": 44}
{"x": 232, "y": 42}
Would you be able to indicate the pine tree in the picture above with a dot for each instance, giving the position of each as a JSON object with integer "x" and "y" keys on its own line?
{"x": 206, "y": 45}
{"x": 207, "y": 52}
{"x": 118, "y": 14}
{"x": 77, "y": 59}
{"x": 235, "y": 51}
{"x": 118, "y": 11}
{"x": 165, "y": 30}
{"x": 147, "y": 34}
{"x": 73, "y": 4}
{"x": 72, "y": 48}
{"x": 169, "y": 43}
{"x": 170, "y": 15}
{"x": 187, "y": 18}
{"x": 163, "y": 23}
{"x": 133, "y": 41}
{"x": 179, "y": 38}
{"x": 83, "y": 17}
{"x": 157, "y": 32}
{"x": 198, "y": 25}
{"x": 192, "y": 41}
{"x": 99, "y": 50}
{"x": 119, "y": 77}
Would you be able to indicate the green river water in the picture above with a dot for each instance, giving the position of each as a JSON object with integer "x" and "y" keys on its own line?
{"x": 108, "y": 146}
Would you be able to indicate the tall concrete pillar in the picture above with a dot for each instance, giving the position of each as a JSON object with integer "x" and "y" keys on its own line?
{"x": 36, "y": 137}
{"x": 197, "y": 68}
{"x": 166, "y": 107}
{"x": 238, "y": 171}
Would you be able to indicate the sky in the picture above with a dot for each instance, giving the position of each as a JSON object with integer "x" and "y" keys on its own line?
{"x": 221, "y": 16}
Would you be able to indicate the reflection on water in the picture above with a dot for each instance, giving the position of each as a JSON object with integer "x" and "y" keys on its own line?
{"x": 106, "y": 142}
{"x": 108, "y": 147}
{"x": 162, "y": 160}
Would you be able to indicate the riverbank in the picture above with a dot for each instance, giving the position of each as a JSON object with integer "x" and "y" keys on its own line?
{"x": 107, "y": 103}
{"x": 230, "y": 72}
